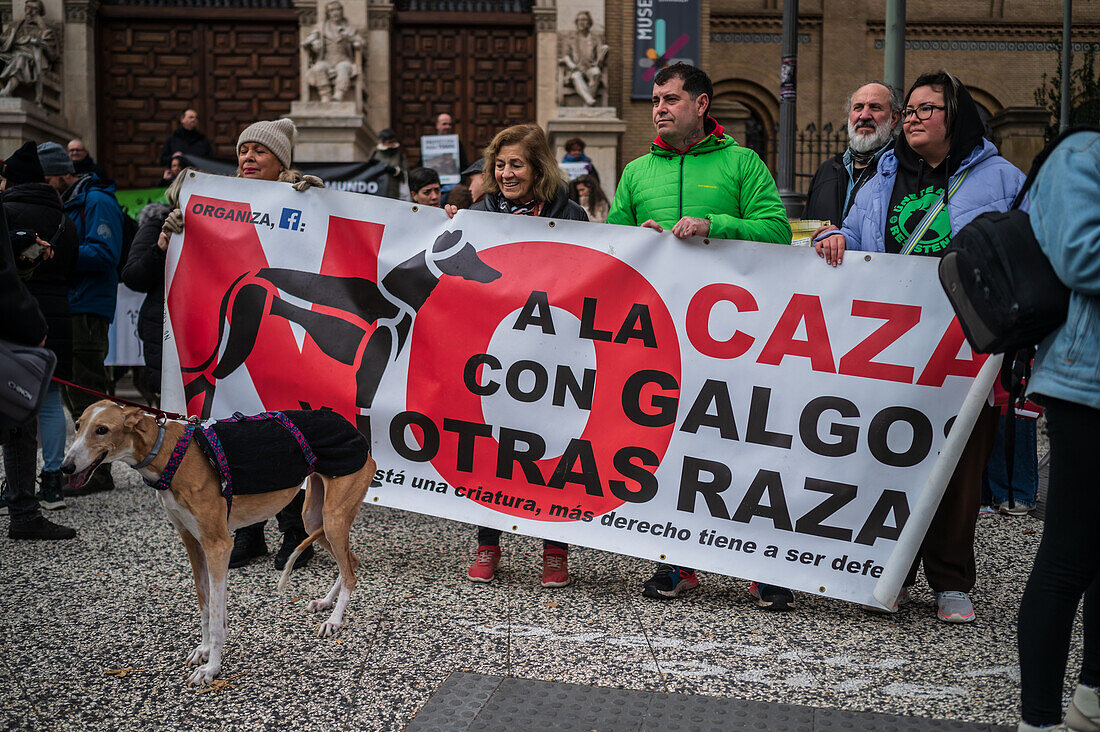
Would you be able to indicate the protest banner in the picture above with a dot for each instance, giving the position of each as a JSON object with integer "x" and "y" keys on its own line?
{"x": 135, "y": 199}
{"x": 363, "y": 177}
{"x": 441, "y": 154}
{"x": 123, "y": 342}
{"x": 737, "y": 407}
{"x": 574, "y": 170}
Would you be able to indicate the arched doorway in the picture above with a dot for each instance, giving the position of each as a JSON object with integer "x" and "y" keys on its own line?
{"x": 750, "y": 115}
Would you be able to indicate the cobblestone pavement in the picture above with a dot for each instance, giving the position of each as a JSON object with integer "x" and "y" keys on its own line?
{"x": 119, "y": 598}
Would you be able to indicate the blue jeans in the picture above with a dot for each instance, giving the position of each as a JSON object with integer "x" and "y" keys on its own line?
{"x": 51, "y": 429}
{"x": 1025, "y": 478}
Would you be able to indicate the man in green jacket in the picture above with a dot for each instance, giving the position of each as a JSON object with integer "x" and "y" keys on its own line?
{"x": 697, "y": 181}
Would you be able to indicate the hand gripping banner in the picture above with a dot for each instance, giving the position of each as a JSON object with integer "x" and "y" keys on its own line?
{"x": 737, "y": 407}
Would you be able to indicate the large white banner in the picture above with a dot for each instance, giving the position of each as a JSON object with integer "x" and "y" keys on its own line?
{"x": 737, "y": 407}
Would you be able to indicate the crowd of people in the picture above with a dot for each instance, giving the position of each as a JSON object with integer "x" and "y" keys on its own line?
{"x": 916, "y": 170}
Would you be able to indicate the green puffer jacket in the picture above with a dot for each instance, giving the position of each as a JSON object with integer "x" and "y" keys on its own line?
{"x": 716, "y": 179}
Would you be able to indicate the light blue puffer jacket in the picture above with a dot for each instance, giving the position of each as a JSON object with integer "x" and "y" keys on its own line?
{"x": 990, "y": 185}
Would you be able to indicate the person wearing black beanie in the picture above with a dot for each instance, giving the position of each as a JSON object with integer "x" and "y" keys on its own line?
{"x": 22, "y": 166}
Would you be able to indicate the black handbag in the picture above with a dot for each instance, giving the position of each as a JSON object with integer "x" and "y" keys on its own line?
{"x": 25, "y": 373}
{"x": 1003, "y": 289}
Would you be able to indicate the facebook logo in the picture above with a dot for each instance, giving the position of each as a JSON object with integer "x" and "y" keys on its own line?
{"x": 290, "y": 219}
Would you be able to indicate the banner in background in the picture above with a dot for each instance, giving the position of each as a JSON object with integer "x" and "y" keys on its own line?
{"x": 441, "y": 154}
{"x": 135, "y": 199}
{"x": 367, "y": 177}
{"x": 123, "y": 342}
{"x": 737, "y": 407}
{"x": 665, "y": 32}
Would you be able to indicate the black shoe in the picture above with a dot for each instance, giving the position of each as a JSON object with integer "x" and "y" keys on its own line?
{"x": 772, "y": 597}
{"x": 98, "y": 482}
{"x": 39, "y": 528}
{"x": 49, "y": 494}
{"x": 248, "y": 544}
{"x": 291, "y": 540}
{"x": 669, "y": 581}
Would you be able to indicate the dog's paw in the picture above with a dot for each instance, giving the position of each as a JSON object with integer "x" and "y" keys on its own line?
{"x": 201, "y": 654}
{"x": 204, "y": 674}
{"x": 329, "y": 628}
{"x": 317, "y": 605}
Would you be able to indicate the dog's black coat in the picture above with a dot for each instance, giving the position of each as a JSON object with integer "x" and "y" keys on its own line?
{"x": 264, "y": 456}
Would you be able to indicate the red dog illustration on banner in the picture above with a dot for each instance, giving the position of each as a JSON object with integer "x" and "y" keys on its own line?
{"x": 339, "y": 323}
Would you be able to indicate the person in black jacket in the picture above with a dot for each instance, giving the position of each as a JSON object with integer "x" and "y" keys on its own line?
{"x": 527, "y": 181}
{"x": 144, "y": 272}
{"x": 874, "y": 111}
{"x": 32, "y": 205}
{"x": 186, "y": 139}
{"x": 22, "y": 322}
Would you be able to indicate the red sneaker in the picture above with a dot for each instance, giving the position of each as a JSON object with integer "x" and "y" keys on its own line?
{"x": 555, "y": 567}
{"x": 485, "y": 566}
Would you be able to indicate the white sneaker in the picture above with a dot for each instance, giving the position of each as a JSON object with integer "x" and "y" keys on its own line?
{"x": 954, "y": 607}
{"x": 1018, "y": 510}
{"x": 1083, "y": 714}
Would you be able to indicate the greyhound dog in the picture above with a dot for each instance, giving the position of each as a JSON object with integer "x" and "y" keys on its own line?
{"x": 204, "y": 513}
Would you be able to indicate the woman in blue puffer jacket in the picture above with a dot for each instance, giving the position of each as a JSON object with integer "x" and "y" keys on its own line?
{"x": 1065, "y": 216}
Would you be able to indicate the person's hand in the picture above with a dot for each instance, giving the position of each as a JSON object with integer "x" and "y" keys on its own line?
{"x": 690, "y": 226}
{"x": 451, "y": 210}
{"x": 167, "y": 175}
{"x": 162, "y": 241}
{"x": 822, "y": 229}
{"x": 651, "y": 224}
{"x": 173, "y": 224}
{"x": 47, "y": 248}
{"x": 831, "y": 248}
{"x": 307, "y": 182}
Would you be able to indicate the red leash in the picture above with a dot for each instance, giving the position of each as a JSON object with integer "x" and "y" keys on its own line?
{"x": 120, "y": 400}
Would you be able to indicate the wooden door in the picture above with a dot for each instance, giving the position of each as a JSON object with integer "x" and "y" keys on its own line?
{"x": 478, "y": 68}
{"x": 152, "y": 67}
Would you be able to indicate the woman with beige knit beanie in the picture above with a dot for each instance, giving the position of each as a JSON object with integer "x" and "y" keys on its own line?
{"x": 264, "y": 152}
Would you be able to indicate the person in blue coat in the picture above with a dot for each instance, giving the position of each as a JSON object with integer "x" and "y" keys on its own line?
{"x": 91, "y": 204}
{"x": 1065, "y": 217}
{"x": 940, "y": 175}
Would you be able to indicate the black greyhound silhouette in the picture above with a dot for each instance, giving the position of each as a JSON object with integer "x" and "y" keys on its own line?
{"x": 392, "y": 306}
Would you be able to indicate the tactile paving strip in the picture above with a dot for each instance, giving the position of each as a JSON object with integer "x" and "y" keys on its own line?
{"x": 455, "y": 703}
{"x": 479, "y": 703}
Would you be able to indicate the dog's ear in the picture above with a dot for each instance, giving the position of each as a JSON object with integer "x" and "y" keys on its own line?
{"x": 133, "y": 415}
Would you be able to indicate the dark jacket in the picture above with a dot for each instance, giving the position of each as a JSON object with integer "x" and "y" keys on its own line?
{"x": 144, "y": 272}
{"x": 829, "y": 188}
{"x": 91, "y": 204}
{"x": 20, "y": 319}
{"x": 89, "y": 165}
{"x": 37, "y": 207}
{"x": 560, "y": 208}
{"x": 188, "y": 142}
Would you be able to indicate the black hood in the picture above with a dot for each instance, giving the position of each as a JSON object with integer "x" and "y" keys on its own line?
{"x": 32, "y": 194}
{"x": 966, "y": 134}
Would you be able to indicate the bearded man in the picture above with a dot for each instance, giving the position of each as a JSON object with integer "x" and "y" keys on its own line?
{"x": 874, "y": 111}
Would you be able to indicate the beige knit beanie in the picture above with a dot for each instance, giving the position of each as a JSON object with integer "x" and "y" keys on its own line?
{"x": 277, "y": 136}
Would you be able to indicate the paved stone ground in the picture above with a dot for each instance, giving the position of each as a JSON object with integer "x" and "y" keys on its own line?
{"x": 120, "y": 596}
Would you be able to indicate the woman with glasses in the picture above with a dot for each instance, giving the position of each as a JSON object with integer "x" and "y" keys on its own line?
{"x": 940, "y": 175}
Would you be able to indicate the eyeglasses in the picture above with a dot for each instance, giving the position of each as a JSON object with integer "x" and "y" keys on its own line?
{"x": 922, "y": 112}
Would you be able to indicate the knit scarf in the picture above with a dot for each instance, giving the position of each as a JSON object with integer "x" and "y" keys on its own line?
{"x": 531, "y": 208}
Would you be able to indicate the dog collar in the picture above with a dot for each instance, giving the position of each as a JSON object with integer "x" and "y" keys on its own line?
{"x": 156, "y": 448}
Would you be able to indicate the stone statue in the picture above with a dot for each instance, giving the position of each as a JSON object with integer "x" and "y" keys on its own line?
{"x": 583, "y": 58}
{"x": 28, "y": 49}
{"x": 330, "y": 51}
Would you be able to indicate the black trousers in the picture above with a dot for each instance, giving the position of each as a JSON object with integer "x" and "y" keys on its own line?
{"x": 20, "y": 445}
{"x": 491, "y": 537}
{"x": 1067, "y": 566}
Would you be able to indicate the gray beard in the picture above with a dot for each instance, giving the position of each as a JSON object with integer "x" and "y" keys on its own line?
{"x": 870, "y": 143}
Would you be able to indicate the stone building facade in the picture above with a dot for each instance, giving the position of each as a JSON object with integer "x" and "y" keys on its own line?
{"x": 129, "y": 67}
